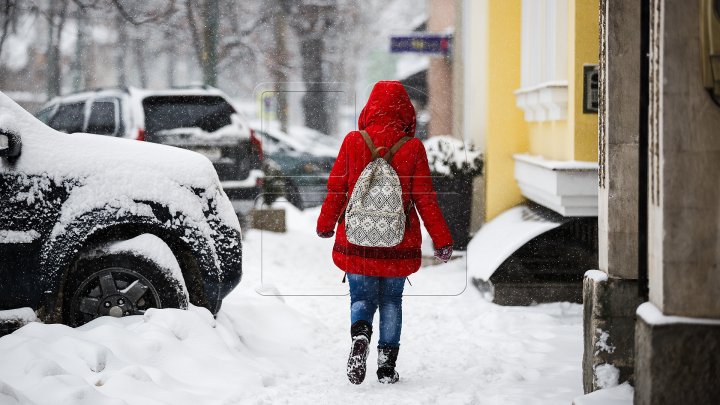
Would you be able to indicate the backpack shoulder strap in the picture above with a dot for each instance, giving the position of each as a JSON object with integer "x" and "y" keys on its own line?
{"x": 389, "y": 155}
{"x": 370, "y": 144}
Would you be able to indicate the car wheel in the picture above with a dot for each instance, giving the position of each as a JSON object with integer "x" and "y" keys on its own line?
{"x": 293, "y": 195}
{"x": 118, "y": 285}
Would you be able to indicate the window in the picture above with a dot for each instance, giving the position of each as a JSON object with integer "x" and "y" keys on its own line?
{"x": 69, "y": 118}
{"x": 45, "y": 114}
{"x": 208, "y": 113}
{"x": 543, "y": 93}
{"x": 103, "y": 118}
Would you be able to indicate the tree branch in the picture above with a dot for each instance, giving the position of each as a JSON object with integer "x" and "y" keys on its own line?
{"x": 197, "y": 43}
{"x": 8, "y": 13}
{"x": 91, "y": 5}
{"x": 124, "y": 13}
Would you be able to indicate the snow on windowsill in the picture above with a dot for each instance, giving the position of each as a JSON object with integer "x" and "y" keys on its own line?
{"x": 567, "y": 165}
{"x": 653, "y": 316}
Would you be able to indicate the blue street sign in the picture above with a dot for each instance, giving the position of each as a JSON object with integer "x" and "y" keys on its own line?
{"x": 436, "y": 44}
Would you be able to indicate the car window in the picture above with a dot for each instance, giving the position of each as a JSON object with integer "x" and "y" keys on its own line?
{"x": 45, "y": 114}
{"x": 69, "y": 118}
{"x": 102, "y": 120}
{"x": 208, "y": 113}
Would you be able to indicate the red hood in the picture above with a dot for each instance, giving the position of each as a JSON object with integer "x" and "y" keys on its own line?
{"x": 388, "y": 111}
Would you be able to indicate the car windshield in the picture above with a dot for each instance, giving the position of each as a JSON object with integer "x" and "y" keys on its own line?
{"x": 208, "y": 113}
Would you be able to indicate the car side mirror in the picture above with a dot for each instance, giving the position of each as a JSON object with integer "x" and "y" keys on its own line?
{"x": 10, "y": 144}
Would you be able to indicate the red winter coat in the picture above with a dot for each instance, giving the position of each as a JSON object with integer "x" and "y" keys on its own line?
{"x": 387, "y": 117}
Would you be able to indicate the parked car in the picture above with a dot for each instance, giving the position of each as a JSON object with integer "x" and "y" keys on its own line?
{"x": 93, "y": 226}
{"x": 304, "y": 175}
{"x": 200, "y": 119}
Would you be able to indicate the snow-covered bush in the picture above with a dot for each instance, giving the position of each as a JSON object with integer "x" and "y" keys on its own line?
{"x": 450, "y": 157}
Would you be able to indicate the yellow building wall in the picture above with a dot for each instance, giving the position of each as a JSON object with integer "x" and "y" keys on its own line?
{"x": 507, "y": 131}
{"x": 584, "y": 40}
{"x": 551, "y": 139}
{"x": 576, "y": 137}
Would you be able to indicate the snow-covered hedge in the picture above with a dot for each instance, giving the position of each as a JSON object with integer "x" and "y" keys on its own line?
{"x": 450, "y": 157}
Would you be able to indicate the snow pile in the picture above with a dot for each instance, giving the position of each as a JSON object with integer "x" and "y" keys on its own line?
{"x": 606, "y": 375}
{"x": 165, "y": 356}
{"x": 449, "y": 156}
{"x": 290, "y": 345}
{"x": 620, "y": 395}
{"x": 20, "y": 315}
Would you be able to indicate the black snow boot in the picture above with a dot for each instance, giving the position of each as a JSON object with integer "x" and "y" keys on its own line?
{"x": 387, "y": 356}
{"x": 361, "y": 331}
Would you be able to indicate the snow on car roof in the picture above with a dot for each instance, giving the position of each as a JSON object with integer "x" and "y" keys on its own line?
{"x": 302, "y": 139}
{"x": 177, "y": 91}
{"x": 139, "y": 93}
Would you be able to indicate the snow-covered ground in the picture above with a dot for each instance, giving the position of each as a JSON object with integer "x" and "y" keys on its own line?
{"x": 283, "y": 337}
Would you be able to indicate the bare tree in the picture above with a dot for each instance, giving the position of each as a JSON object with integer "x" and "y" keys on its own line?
{"x": 205, "y": 36}
{"x": 311, "y": 20}
{"x": 8, "y": 17}
{"x": 205, "y": 25}
{"x": 78, "y": 66}
{"x": 57, "y": 15}
{"x": 277, "y": 60}
{"x": 151, "y": 13}
{"x": 121, "y": 51}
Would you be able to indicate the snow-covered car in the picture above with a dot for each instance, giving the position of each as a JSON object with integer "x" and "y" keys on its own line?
{"x": 93, "y": 226}
{"x": 202, "y": 119}
{"x": 300, "y": 138}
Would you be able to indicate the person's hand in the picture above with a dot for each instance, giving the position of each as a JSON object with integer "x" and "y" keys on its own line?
{"x": 444, "y": 253}
{"x": 326, "y": 234}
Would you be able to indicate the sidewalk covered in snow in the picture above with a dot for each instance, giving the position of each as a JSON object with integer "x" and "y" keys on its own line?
{"x": 283, "y": 336}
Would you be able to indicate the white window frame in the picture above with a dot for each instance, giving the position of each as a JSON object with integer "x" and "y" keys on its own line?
{"x": 543, "y": 95}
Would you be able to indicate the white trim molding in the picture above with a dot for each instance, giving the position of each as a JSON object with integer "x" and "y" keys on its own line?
{"x": 544, "y": 102}
{"x": 568, "y": 187}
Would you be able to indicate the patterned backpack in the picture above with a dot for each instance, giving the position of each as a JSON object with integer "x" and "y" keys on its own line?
{"x": 375, "y": 216}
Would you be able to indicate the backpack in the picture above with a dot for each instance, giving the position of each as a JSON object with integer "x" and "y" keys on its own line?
{"x": 375, "y": 216}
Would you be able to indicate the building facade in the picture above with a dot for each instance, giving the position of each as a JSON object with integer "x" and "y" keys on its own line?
{"x": 531, "y": 103}
{"x": 656, "y": 299}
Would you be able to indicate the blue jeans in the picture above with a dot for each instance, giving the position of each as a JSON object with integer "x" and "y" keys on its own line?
{"x": 367, "y": 294}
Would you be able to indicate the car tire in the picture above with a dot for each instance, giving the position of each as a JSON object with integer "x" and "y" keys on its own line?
{"x": 293, "y": 195}
{"x": 118, "y": 284}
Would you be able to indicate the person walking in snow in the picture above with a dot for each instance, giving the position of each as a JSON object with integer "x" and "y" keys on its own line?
{"x": 376, "y": 267}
